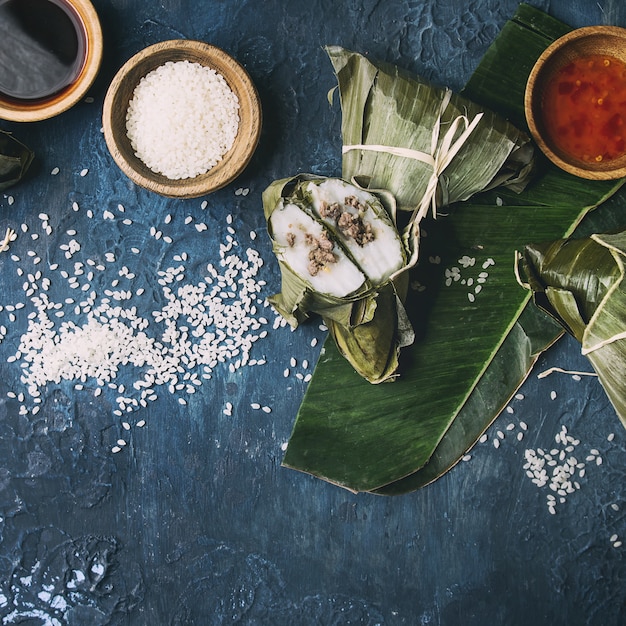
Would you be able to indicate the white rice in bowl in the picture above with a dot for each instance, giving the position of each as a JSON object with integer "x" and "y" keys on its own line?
{"x": 182, "y": 119}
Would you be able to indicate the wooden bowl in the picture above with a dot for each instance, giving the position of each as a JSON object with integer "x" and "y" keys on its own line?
{"x": 120, "y": 93}
{"x": 87, "y": 21}
{"x": 609, "y": 41}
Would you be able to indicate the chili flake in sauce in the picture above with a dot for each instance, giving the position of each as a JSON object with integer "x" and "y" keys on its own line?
{"x": 584, "y": 108}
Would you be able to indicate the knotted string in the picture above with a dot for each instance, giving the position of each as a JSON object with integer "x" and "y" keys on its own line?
{"x": 439, "y": 157}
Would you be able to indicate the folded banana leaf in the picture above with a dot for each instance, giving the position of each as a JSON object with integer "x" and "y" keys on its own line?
{"x": 15, "y": 159}
{"x": 581, "y": 284}
{"x": 429, "y": 146}
{"x": 342, "y": 257}
{"x": 468, "y": 358}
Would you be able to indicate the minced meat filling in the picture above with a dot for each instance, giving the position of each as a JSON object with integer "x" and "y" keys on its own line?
{"x": 350, "y": 224}
{"x": 321, "y": 253}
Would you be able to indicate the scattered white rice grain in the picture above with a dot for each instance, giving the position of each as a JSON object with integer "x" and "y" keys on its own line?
{"x": 266, "y": 409}
{"x": 611, "y": 437}
{"x": 255, "y": 405}
{"x": 286, "y": 372}
{"x": 54, "y": 171}
{"x": 75, "y": 206}
{"x": 553, "y": 395}
{"x": 496, "y": 443}
{"x": 84, "y": 172}
{"x": 116, "y": 449}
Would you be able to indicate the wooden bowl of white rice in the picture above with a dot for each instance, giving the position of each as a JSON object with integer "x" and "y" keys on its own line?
{"x": 182, "y": 118}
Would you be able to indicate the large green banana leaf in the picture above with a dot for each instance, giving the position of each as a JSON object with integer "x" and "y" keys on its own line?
{"x": 400, "y": 436}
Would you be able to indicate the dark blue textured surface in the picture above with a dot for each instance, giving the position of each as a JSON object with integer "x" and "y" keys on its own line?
{"x": 194, "y": 521}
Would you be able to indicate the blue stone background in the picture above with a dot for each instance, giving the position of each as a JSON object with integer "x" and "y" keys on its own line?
{"x": 195, "y": 522}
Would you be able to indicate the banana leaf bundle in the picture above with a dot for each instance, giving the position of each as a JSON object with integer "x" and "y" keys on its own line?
{"x": 15, "y": 159}
{"x": 581, "y": 284}
{"x": 421, "y": 147}
{"x": 428, "y": 146}
{"x": 342, "y": 257}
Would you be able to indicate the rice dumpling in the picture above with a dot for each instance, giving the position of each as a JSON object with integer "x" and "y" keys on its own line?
{"x": 581, "y": 284}
{"x": 342, "y": 257}
{"x": 426, "y": 145}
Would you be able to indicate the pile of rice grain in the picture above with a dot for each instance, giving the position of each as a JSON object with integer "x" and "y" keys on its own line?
{"x": 182, "y": 119}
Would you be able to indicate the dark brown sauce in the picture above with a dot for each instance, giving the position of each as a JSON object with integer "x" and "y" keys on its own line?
{"x": 42, "y": 48}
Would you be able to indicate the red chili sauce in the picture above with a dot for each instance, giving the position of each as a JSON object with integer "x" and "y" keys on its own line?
{"x": 584, "y": 108}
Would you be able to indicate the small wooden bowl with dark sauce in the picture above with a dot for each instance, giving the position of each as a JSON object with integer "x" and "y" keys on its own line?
{"x": 575, "y": 102}
{"x": 51, "y": 51}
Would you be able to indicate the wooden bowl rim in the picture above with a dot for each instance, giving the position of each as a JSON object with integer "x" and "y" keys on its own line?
{"x": 569, "y": 40}
{"x": 15, "y": 111}
{"x": 247, "y": 137}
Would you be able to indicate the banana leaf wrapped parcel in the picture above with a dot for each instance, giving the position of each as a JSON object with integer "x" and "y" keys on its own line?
{"x": 420, "y": 147}
{"x": 342, "y": 257}
{"x": 581, "y": 283}
{"x": 426, "y": 145}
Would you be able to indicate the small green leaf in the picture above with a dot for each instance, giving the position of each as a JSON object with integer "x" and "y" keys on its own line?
{"x": 15, "y": 159}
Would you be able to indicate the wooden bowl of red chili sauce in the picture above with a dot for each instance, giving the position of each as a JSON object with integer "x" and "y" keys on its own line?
{"x": 575, "y": 102}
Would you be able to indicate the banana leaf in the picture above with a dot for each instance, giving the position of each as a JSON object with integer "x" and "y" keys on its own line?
{"x": 15, "y": 159}
{"x": 397, "y": 438}
{"x": 429, "y": 146}
{"x": 581, "y": 284}
{"x": 358, "y": 292}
